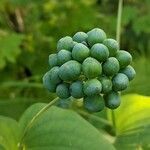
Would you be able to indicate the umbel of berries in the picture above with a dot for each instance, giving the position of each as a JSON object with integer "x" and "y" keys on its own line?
{"x": 91, "y": 67}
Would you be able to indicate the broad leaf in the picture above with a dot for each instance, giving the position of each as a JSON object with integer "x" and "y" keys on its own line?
{"x": 9, "y": 48}
{"x": 59, "y": 129}
{"x": 15, "y": 107}
{"x": 9, "y": 134}
{"x": 132, "y": 121}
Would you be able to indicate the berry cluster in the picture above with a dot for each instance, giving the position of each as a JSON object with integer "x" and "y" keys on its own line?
{"x": 89, "y": 66}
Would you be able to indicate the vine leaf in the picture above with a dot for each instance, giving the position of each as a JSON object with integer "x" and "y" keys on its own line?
{"x": 60, "y": 129}
{"x": 133, "y": 123}
{"x": 9, "y": 133}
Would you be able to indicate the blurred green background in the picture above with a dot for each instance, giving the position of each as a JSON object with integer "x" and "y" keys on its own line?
{"x": 30, "y": 29}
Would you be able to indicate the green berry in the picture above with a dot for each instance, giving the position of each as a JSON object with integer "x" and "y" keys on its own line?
{"x": 70, "y": 70}
{"x": 65, "y": 43}
{"x": 54, "y": 75}
{"x": 112, "y": 46}
{"x": 92, "y": 87}
{"x": 106, "y": 85}
{"x": 47, "y": 83}
{"x": 120, "y": 82}
{"x": 124, "y": 58}
{"x": 94, "y": 103}
{"x": 53, "y": 61}
{"x": 129, "y": 72}
{"x": 62, "y": 90}
{"x": 111, "y": 66}
{"x": 112, "y": 100}
{"x": 80, "y": 52}
{"x": 96, "y": 36}
{"x": 80, "y": 37}
{"x": 76, "y": 89}
{"x": 63, "y": 56}
{"x": 91, "y": 68}
{"x": 64, "y": 103}
{"x": 100, "y": 52}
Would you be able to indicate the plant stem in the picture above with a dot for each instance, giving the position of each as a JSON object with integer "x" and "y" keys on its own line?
{"x": 119, "y": 15}
{"x": 118, "y": 33}
{"x": 29, "y": 125}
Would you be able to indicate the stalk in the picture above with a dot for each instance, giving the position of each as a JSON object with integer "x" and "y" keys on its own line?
{"x": 29, "y": 125}
{"x": 118, "y": 34}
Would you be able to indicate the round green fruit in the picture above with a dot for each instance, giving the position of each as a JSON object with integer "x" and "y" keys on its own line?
{"x": 112, "y": 46}
{"x": 76, "y": 89}
{"x": 112, "y": 100}
{"x": 92, "y": 87}
{"x": 63, "y": 56}
{"x": 80, "y": 52}
{"x": 124, "y": 58}
{"x": 111, "y": 66}
{"x": 129, "y": 72}
{"x": 91, "y": 68}
{"x": 70, "y": 70}
{"x": 120, "y": 82}
{"x": 53, "y": 61}
{"x": 80, "y": 37}
{"x": 47, "y": 83}
{"x": 54, "y": 75}
{"x": 106, "y": 85}
{"x": 96, "y": 36}
{"x": 65, "y": 43}
{"x": 100, "y": 52}
{"x": 62, "y": 90}
{"x": 94, "y": 103}
{"x": 64, "y": 103}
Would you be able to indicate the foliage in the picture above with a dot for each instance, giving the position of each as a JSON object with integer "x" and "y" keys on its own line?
{"x": 29, "y": 30}
{"x": 43, "y": 133}
{"x": 74, "y": 132}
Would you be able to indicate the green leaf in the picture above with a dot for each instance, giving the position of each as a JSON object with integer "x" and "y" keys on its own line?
{"x": 9, "y": 48}
{"x": 15, "y": 107}
{"x": 132, "y": 121}
{"x": 9, "y": 134}
{"x": 59, "y": 129}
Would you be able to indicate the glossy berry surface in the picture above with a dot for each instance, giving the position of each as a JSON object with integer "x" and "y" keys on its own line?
{"x": 112, "y": 100}
{"x": 91, "y": 68}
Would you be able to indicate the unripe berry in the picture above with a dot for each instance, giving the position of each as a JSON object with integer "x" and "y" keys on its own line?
{"x": 129, "y": 72}
{"x": 70, "y": 70}
{"x": 63, "y": 56}
{"x": 91, "y": 68}
{"x": 111, "y": 66}
{"x": 120, "y": 82}
{"x": 65, "y": 43}
{"x": 47, "y": 83}
{"x": 64, "y": 103}
{"x": 106, "y": 84}
{"x": 124, "y": 58}
{"x": 54, "y": 75}
{"x": 92, "y": 87}
{"x": 94, "y": 103}
{"x": 80, "y": 37}
{"x": 62, "y": 90}
{"x": 112, "y": 46}
{"x": 96, "y": 36}
{"x": 80, "y": 52}
{"x": 53, "y": 61}
{"x": 112, "y": 100}
{"x": 100, "y": 52}
{"x": 76, "y": 89}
